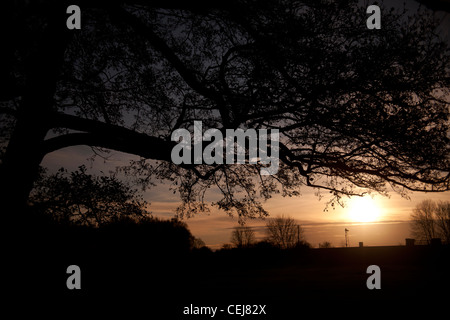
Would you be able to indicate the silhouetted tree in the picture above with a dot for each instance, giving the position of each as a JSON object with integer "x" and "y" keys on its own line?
{"x": 198, "y": 243}
{"x": 431, "y": 220}
{"x": 84, "y": 199}
{"x": 149, "y": 233}
{"x": 423, "y": 227}
{"x": 284, "y": 232}
{"x": 356, "y": 108}
{"x": 443, "y": 220}
{"x": 325, "y": 244}
{"x": 243, "y": 237}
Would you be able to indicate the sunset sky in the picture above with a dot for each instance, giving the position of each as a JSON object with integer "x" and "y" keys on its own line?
{"x": 390, "y": 225}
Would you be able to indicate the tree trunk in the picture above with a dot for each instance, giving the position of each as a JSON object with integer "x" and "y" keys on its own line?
{"x": 23, "y": 155}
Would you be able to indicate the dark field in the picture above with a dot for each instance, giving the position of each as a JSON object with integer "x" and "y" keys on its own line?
{"x": 137, "y": 278}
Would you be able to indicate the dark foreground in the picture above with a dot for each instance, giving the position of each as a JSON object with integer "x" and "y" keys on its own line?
{"x": 156, "y": 284}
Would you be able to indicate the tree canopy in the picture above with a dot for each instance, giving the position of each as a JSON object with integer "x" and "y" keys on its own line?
{"x": 356, "y": 109}
{"x": 84, "y": 199}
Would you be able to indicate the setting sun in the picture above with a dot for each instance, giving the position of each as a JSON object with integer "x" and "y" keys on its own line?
{"x": 363, "y": 209}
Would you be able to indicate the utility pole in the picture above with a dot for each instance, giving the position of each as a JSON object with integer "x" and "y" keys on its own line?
{"x": 346, "y": 238}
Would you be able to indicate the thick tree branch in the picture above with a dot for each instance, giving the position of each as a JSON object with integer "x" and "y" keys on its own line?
{"x": 99, "y": 134}
{"x": 141, "y": 145}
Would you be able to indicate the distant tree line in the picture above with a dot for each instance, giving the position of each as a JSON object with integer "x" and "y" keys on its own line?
{"x": 431, "y": 220}
{"x": 325, "y": 244}
{"x": 282, "y": 232}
